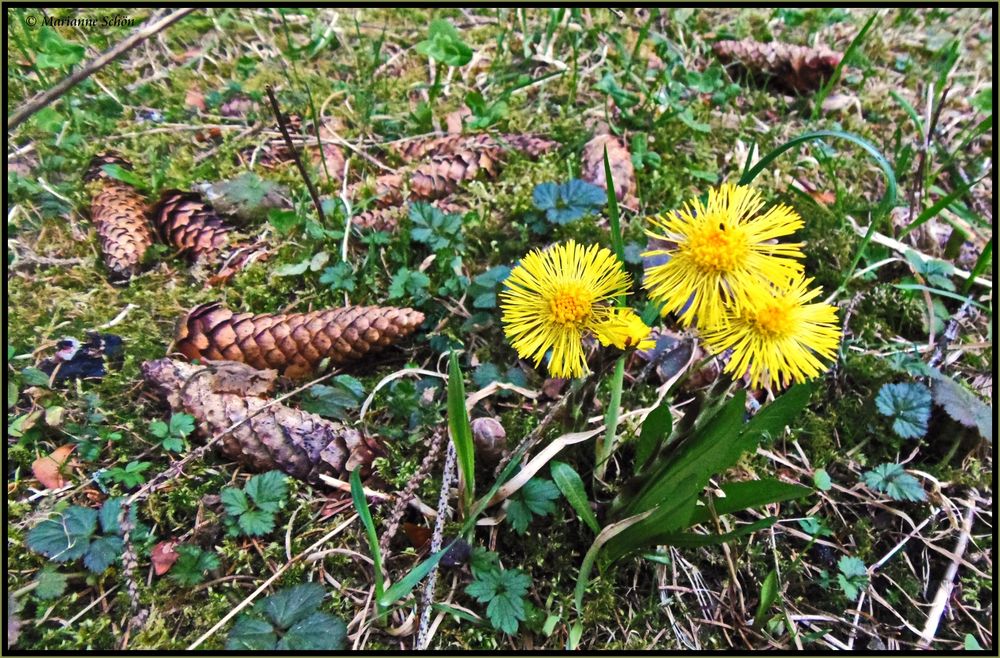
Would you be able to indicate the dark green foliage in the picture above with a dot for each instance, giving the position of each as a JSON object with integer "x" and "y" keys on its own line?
{"x": 853, "y": 576}
{"x": 172, "y": 436}
{"x": 288, "y": 620}
{"x": 504, "y": 591}
{"x": 73, "y": 534}
{"x": 535, "y": 498}
{"x": 566, "y": 202}
{"x": 192, "y": 564}
{"x": 895, "y": 482}
{"x": 909, "y": 405}
{"x": 250, "y": 511}
{"x": 338, "y": 399}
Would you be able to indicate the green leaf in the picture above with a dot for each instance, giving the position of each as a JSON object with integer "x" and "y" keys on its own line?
{"x": 102, "y": 553}
{"x": 822, "y": 479}
{"x": 252, "y": 634}
{"x": 409, "y": 283}
{"x": 342, "y": 395}
{"x": 192, "y": 564}
{"x": 895, "y": 482}
{"x": 751, "y": 493}
{"x": 909, "y": 404}
{"x": 159, "y": 429}
{"x": 338, "y": 277}
{"x": 54, "y": 52}
{"x": 292, "y": 604}
{"x": 317, "y": 632}
{"x": 284, "y": 221}
{"x": 853, "y": 576}
{"x": 50, "y": 584}
{"x": 361, "y": 507}
{"x": 48, "y": 120}
{"x": 768, "y": 595}
{"x": 256, "y": 522}
{"x": 535, "y": 498}
{"x": 571, "y": 485}
{"x": 504, "y": 591}
{"x": 268, "y": 490}
{"x": 66, "y": 537}
{"x": 32, "y": 376}
{"x": 109, "y": 515}
{"x": 445, "y": 45}
{"x": 119, "y": 172}
{"x": 815, "y": 526}
{"x": 963, "y": 405}
{"x": 672, "y": 514}
{"x": 655, "y": 429}
{"x": 971, "y": 643}
{"x": 234, "y": 501}
{"x": 461, "y": 432}
{"x": 569, "y": 201}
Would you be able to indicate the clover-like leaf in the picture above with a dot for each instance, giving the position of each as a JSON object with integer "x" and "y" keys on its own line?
{"x": 65, "y": 537}
{"x": 268, "y": 490}
{"x": 909, "y": 405}
{"x": 317, "y": 632}
{"x": 252, "y": 634}
{"x": 293, "y": 604}
{"x": 894, "y": 481}
{"x": 102, "y": 553}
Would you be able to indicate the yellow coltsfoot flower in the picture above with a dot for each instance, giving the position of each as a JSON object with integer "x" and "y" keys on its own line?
{"x": 778, "y": 337}
{"x": 555, "y": 297}
{"x": 722, "y": 253}
{"x": 624, "y": 329}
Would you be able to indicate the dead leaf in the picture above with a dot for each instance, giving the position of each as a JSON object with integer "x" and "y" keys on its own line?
{"x": 195, "y": 99}
{"x": 622, "y": 170}
{"x": 419, "y": 535}
{"x": 163, "y": 556}
{"x": 455, "y": 120}
{"x": 49, "y": 470}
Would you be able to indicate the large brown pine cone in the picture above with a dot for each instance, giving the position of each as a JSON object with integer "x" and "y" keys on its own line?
{"x": 788, "y": 68}
{"x": 119, "y": 214}
{"x": 222, "y": 393}
{"x": 186, "y": 221}
{"x": 294, "y": 343}
{"x": 387, "y": 219}
{"x": 442, "y": 174}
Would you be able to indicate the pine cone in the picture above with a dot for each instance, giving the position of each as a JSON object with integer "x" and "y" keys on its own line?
{"x": 442, "y": 174}
{"x": 417, "y": 149}
{"x": 622, "y": 170}
{"x": 189, "y": 223}
{"x": 293, "y": 343}
{"x": 788, "y": 68}
{"x": 275, "y": 437}
{"x": 119, "y": 214}
{"x": 387, "y": 219}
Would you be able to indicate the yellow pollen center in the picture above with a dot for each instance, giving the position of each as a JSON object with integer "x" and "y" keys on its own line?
{"x": 717, "y": 248}
{"x": 570, "y": 305}
{"x": 774, "y": 319}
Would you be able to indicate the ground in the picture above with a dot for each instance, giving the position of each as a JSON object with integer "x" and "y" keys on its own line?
{"x": 917, "y": 85}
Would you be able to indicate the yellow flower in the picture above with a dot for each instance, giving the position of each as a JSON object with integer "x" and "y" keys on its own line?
{"x": 553, "y": 298}
{"x": 779, "y": 337}
{"x": 624, "y": 329}
{"x": 721, "y": 253}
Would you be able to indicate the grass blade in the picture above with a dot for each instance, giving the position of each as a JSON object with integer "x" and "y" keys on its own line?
{"x": 835, "y": 78}
{"x": 768, "y": 595}
{"x": 361, "y": 506}
{"x": 571, "y": 486}
{"x": 461, "y": 432}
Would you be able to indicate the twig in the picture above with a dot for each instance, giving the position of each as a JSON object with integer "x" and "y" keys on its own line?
{"x": 948, "y": 581}
{"x": 436, "y": 541}
{"x": 295, "y": 154}
{"x": 45, "y": 98}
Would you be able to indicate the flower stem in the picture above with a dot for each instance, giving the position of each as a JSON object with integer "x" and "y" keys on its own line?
{"x": 605, "y": 447}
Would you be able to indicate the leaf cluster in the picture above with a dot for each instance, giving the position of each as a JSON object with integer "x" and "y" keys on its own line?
{"x": 74, "y": 534}
{"x": 288, "y": 620}
{"x": 250, "y": 511}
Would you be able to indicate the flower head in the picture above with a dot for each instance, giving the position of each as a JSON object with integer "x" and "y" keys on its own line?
{"x": 722, "y": 253}
{"x": 778, "y": 336}
{"x": 624, "y": 329}
{"x": 553, "y": 298}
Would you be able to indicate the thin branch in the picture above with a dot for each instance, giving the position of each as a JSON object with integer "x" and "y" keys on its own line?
{"x": 47, "y": 97}
{"x": 295, "y": 154}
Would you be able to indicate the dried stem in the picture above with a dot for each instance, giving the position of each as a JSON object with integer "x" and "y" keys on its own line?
{"x": 295, "y": 154}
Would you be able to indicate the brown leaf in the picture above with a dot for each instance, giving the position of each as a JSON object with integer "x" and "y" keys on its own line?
{"x": 49, "y": 470}
{"x": 419, "y": 535}
{"x": 163, "y": 556}
{"x": 454, "y": 120}
{"x": 622, "y": 171}
{"x": 195, "y": 99}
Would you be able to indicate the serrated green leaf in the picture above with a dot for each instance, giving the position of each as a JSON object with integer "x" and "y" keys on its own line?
{"x": 50, "y": 584}
{"x": 250, "y": 633}
{"x": 317, "y": 632}
{"x": 963, "y": 405}
{"x": 102, "y": 553}
{"x": 256, "y": 522}
{"x": 909, "y": 404}
{"x": 110, "y": 513}
{"x": 159, "y": 429}
{"x": 535, "y": 498}
{"x": 234, "y": 501}
{"x": 65, "y": 537}
{"x": 894, "y": 481}
{"x": 181, "y": 424}
{"x": 292, "y": 604}
{"x": 504, "y": 591}
{"x": 192, "y": 564}
{"x": 853, "y": 576}
{"x": 268, "y": 490}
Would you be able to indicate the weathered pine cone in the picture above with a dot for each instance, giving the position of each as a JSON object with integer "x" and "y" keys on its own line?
{"x": 387, "y": 219}
{"x": 186, "y": 221}
{"x": 220, "y": 394}
{"x": 294, "y": 344}
{"x": 788, "y": 68}
{"x": 119, "y": 214}
{"x": 417, "y": 149}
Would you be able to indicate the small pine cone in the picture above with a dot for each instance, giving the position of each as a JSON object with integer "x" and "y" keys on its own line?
{"x": 788, "y": 68}
{"x": 119, "y": 214}
{"x": 387, "y": 219}
{"x": 622, "y": 170}
{"x": 442, "y": 174}
{"x": 417, "y": 149}
{"x": 295, "y": 343}
{"x": 189, "y": 223}
{"x": 223, "y": 393}
{"x": 388, "y": 190}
